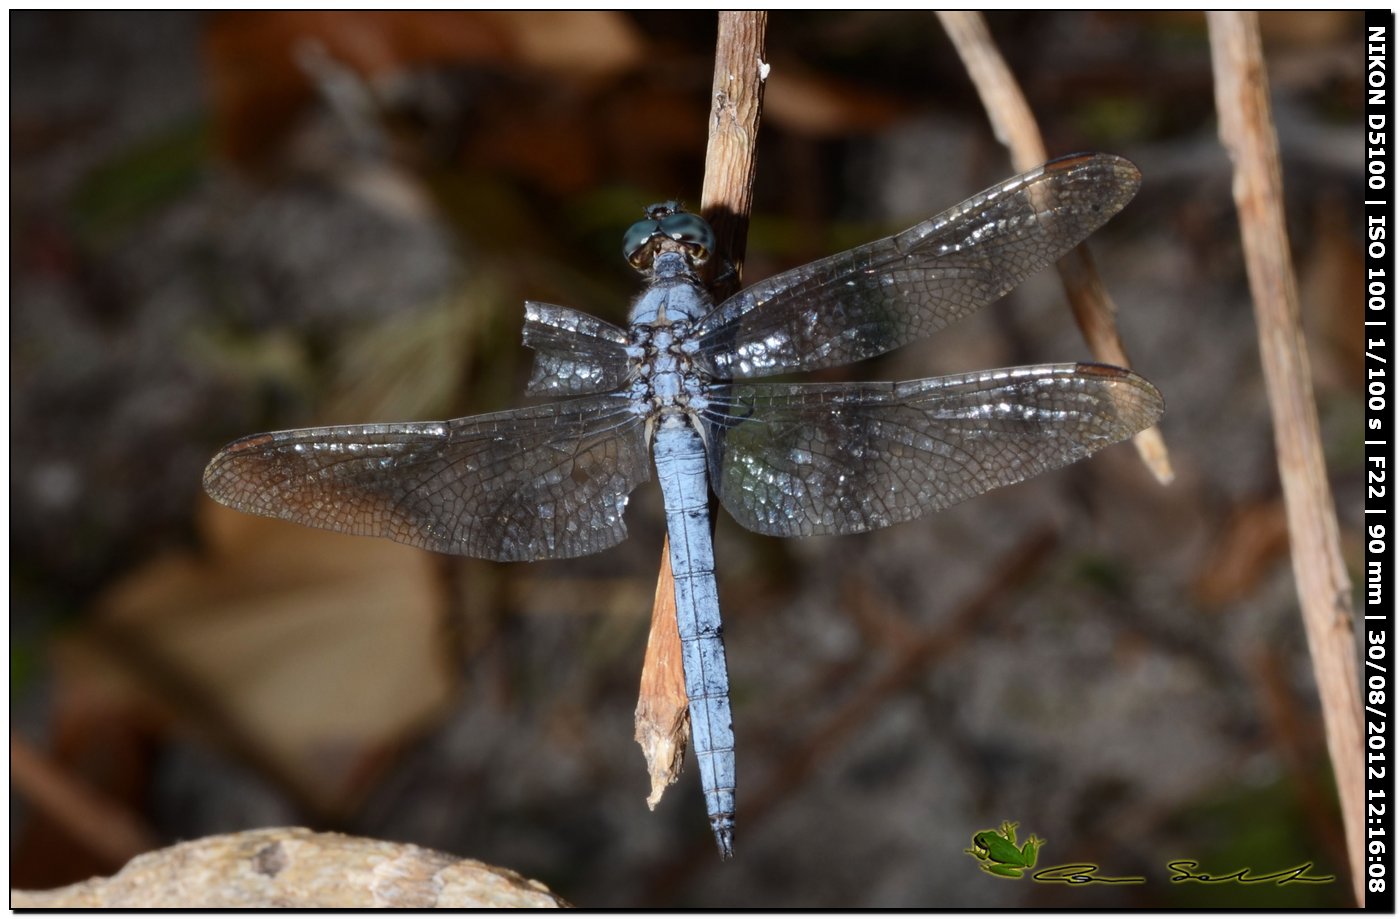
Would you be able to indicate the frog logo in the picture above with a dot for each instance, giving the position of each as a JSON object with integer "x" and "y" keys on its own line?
{"x": 998, "y": 854}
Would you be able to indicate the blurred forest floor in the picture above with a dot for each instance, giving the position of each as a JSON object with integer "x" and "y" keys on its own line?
{"x": 244, "y": 222}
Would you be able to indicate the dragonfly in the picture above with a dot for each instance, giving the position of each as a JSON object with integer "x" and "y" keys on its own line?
{"x": 552, "y": 480}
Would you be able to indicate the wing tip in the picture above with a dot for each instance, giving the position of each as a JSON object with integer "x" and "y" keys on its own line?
{"x": 1134, "y": 396}
{"x": 1121, "y": 165}
{"x": 218, "y": 469}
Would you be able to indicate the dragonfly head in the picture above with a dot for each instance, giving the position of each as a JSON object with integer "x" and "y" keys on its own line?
{"x": 668, "y": 228}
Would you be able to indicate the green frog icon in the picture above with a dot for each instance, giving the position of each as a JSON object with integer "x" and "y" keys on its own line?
{"x": 998, "y": 853}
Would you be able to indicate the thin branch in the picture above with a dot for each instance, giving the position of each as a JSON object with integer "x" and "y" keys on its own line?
{"x": 1015, "y": 126}
{"x": 1324, "y": 590}
{"x": 662, "y": 722}
{"x": 106, "y": 827}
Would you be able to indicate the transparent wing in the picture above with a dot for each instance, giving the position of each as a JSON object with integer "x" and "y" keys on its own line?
{"x": 802, "y": 460}
{"x": 575, "y": 353}
{"x": 549, "y": 481}
{"x": 887, "y": 293}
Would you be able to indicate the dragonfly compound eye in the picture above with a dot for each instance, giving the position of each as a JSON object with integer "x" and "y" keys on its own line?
{"x": 667, "y": 223}
{"x": 637, "y": 243}
{"x": 692, "y": 232}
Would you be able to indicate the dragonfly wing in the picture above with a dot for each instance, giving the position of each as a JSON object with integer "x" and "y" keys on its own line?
{"x": 549, "y": 481}
{"x": 576, "y": 353}
{"x": 803, "y": 460}
{"x": 893, "y": 291}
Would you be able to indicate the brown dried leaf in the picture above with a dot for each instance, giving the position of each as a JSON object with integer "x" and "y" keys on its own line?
{"x": 310, "y": 650}
{"x": 259, "y": 88}
{"x": 662, "y": 718}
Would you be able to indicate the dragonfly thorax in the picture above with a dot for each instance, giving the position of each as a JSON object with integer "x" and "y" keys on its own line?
{"x": 665, "y": 376}
{"x": 673, "y": 294}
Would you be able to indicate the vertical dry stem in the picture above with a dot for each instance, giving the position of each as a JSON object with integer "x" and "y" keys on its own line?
{"x": 662, "y": 722}
{"x": 1246, "y": 129}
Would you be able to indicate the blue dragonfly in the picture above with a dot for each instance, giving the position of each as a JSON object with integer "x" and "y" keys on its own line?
{"x": 552, "y": 480}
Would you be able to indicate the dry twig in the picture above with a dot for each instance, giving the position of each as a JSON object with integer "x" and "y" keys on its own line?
{"x": 662, "y": 723}
{"x": 1246, "y": 130}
